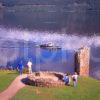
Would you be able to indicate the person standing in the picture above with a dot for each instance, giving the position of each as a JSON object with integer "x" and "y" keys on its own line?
{"x": 69, "y": 80}
{"x": 75, "y": 79}
{"x": 20, "y": 68}
{"x": 66, "y": 79}
{"x": 29, "y": 64}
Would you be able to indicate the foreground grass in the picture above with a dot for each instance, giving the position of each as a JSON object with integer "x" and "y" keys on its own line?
{"x": 6, "y": 77}
{"x": 87, "y": 89}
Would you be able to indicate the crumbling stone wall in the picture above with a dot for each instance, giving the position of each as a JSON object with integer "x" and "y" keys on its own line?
{"x": 82, "y": 61}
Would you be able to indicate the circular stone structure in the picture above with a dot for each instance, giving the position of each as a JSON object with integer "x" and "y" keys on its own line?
{"x": 46, "y": 79}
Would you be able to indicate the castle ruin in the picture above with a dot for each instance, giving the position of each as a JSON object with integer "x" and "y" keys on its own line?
{"x": 82, "y": 59}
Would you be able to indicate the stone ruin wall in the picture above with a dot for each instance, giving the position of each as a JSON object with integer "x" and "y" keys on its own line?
{"x": 82, "y": 60}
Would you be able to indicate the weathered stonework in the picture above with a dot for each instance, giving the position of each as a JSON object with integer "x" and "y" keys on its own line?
{"x": 46, "y": 79}
{"x": 83, "y": 57}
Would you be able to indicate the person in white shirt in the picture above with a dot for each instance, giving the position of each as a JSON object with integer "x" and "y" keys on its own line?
{"x": 29, "y": 64}
{"x": 75, "y": 79}
{"x": 69, "y": 80}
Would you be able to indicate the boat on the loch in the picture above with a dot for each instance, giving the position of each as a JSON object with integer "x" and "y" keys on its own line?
{"x": 50, "y": 46}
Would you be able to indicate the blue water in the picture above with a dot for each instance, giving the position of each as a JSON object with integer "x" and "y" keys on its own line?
{"x": 43, "y": 59}
{"x": 69, "y": 17}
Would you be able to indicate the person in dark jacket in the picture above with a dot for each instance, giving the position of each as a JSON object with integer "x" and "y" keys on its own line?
{"x": 20, "y": 68}
{"x": 66, "y": 79}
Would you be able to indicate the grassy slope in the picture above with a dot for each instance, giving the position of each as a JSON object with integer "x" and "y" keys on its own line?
{"x": 6, "y": 77}
{"x": 88, "y": 89}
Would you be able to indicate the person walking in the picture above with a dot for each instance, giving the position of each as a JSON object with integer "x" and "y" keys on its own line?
{"x": 75, "y": 79}
{"x": 29, "y": 64}
{"x": 20, "y": 68}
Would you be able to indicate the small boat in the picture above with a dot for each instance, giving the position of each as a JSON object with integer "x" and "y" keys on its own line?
{"x": 49, "y": 46}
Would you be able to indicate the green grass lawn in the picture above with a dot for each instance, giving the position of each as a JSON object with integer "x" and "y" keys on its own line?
{"x": 87, "y": 89}
{"x": 6, "y": 77}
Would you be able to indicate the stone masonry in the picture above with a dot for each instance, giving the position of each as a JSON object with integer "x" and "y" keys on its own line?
{"x": 83, "y": 57}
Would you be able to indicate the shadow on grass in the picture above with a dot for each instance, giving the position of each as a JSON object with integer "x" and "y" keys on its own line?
{"x": 26, "y": 81}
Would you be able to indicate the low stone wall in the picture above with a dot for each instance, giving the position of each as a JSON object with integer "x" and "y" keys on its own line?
{"x": 46, "y": 79}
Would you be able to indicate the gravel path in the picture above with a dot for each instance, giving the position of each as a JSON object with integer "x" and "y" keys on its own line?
{"x": 15, "y": 86}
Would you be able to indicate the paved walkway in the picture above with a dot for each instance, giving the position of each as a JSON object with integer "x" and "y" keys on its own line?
{"x": 15, "y": 86}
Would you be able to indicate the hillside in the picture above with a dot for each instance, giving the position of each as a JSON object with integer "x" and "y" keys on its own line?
{"x": 72, "y": 15}
{"x": 93, "y": 4}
